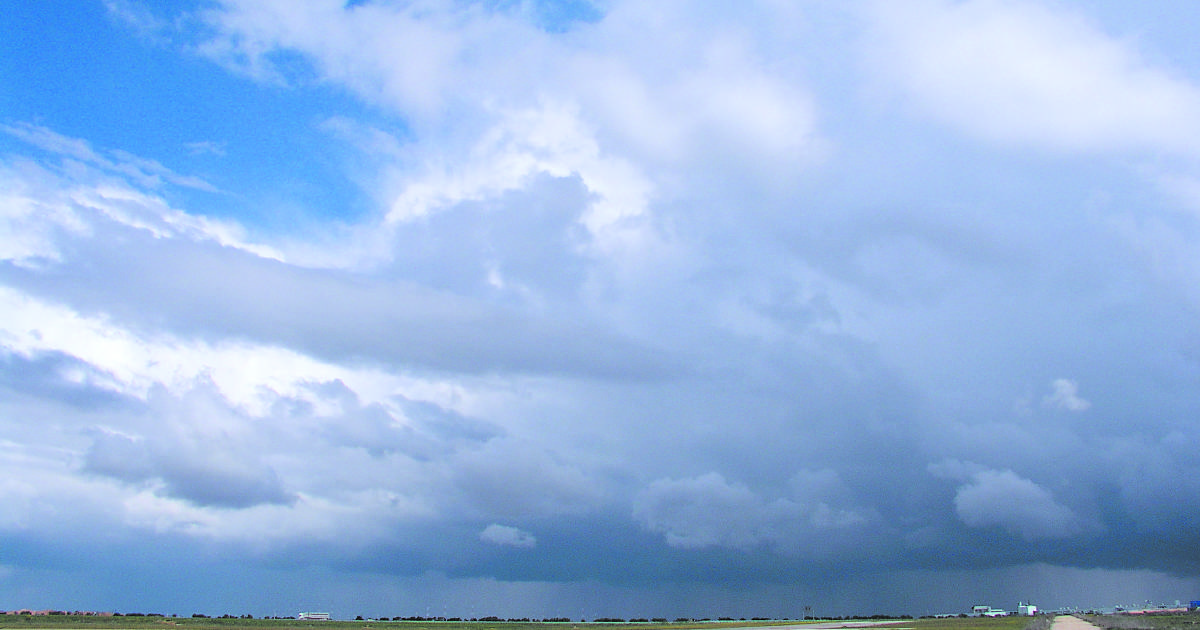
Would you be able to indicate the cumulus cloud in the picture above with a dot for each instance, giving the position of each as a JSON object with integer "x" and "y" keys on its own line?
{"x": 1001, "y": 498}
{"x": 1066, "y": 396}
{"x": 708, "y": 511}
{"x": 508, "y": 536}
{"x": 188, "y": 458}
{"x": 703, "y": 511}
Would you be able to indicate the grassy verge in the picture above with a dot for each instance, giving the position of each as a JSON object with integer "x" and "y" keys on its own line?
{"x": 1183, "y": 621}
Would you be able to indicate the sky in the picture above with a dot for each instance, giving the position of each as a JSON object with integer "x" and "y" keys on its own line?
{"x": 535, "y": 309}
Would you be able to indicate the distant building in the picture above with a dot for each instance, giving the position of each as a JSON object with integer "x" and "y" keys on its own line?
{"x": 314, "y": 616}
{"x": 988, "y": 611}
{"x": 1026, "y": 609}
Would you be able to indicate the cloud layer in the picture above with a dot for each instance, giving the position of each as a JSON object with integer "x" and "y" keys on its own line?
{"x": 688, "y": 306}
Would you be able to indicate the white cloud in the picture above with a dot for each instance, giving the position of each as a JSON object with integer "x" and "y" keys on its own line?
{"x": 528, "y": 102}
{"x": 549, "y": 139}
{"x": 1026, "y": 74}
{"x": 411, "y": 58}
{"x": 708, "y": 511}
{"x": 39, "y": 201}
{"x": 1020, "y": 506}
{"x": 507, "y": 536}
{"x": 29, "y": 223}
{"x": 1066, "y": 397}
{"x": 702, "y": 512}
{"x": 206, "y": 147}
{"x": 145, "y": 172}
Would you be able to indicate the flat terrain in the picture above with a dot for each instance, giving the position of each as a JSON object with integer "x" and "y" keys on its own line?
{"x": 1182, "y": 621}
{"x": 73, "y": 622}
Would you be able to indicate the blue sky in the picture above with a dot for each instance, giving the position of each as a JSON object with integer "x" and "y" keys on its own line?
{"x": 598, "y": 309}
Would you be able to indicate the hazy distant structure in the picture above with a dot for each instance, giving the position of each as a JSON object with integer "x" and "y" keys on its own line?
{"x": 988, "y": 611}
{"x": 1026, "y": 609}
{"x": 314, "y": 616}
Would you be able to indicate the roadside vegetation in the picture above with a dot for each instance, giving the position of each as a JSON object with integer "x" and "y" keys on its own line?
{"x": 1040, "y": 622}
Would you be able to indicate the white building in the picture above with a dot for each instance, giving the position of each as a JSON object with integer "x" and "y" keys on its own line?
{"x": 1026, "y": 609}
{"x": 313, "y": 616}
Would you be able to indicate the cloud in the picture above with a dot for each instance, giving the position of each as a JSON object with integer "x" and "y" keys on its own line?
{"x": 1066, "y": 397}
{"x": 708, "y": 511}
{"x": 44, "y": 206}
{"x": 1004, "y": 499}
{"x": 397, "y": 320}
{"x": 1026, "y": 74}
{"x": 684, "y": 292}
{"x": 702, "y": 512}
{"x": 507, "y": 536}
{"x": 206, "y": 147}
{"x": 187, "y": 459}
{"x": 515, "y": 478}
{"x": 146, "y": 172}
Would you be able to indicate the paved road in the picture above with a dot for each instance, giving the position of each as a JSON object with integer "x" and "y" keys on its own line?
{"x": 1068, "y": 622}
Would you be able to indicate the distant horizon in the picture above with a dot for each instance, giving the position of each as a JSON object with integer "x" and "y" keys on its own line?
{"x": 633, "y": 620}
